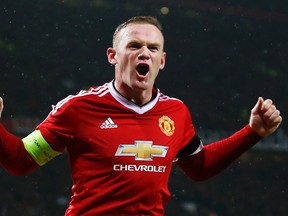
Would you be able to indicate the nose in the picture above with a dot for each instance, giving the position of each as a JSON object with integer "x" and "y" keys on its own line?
{"x": 144, "y": 53}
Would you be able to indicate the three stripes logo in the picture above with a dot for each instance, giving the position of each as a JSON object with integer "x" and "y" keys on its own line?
{"x": 108, "y": 124}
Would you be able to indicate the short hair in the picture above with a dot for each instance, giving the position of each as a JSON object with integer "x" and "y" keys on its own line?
{"x": 137, "y": 20}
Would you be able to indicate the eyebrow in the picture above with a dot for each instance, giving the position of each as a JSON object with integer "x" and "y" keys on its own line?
{"x": 139, "y": 42}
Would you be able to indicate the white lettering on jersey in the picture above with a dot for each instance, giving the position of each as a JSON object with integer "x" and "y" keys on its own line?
{"x": 108, "y": 124}
{"x": 141, "y": 168}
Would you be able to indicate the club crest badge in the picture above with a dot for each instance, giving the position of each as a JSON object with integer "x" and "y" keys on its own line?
{"x": 166, "y": 125}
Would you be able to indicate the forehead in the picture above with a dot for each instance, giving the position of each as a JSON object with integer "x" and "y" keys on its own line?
{"x": 142, "y": 32}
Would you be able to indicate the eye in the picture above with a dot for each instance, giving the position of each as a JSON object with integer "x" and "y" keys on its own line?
{"x": 153, "y": 48}
{"x": 134, "y": 46}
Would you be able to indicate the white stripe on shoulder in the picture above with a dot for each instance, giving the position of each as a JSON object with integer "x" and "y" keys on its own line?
{"x": 100, "y": 91}
{"x": 165, "y": 98}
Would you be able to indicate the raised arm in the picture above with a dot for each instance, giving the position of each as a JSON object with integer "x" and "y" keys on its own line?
{"x": 214, "y": 157}
{"x": 13, "y": 155}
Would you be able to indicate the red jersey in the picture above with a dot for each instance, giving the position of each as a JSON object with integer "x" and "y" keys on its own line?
{"x": 120, "y": 154}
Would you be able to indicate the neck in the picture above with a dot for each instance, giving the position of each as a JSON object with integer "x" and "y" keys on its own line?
{"x": 139, "y": 97}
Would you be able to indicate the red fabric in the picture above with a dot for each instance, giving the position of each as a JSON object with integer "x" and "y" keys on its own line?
{"x": 217, "y": 156}
{"x": 13, "y": 156}
{"x": 93, "y": 125}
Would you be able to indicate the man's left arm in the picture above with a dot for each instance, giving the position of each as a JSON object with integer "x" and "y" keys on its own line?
{"x": 214, "y": 157}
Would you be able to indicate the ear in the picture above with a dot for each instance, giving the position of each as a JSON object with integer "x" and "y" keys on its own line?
{"x": 111, "y": 54}
{"x": 163, "y": 60}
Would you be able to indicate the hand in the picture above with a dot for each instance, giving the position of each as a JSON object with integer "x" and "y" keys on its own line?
{"x": 265, "y": 117}
{"x": 1, "y": 106}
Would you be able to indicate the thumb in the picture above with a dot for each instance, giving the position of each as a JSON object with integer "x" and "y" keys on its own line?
{"x": 258, "y": 106}
{"x": 1, "y": 106}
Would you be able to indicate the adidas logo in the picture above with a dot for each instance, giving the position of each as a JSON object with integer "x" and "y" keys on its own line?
{"x": 108, "y": 124}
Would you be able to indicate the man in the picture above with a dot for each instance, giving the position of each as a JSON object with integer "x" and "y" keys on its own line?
{"x": 123, "y": 137}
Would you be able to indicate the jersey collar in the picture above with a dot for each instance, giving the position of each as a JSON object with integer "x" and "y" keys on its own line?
{"x": 129, "y": 104}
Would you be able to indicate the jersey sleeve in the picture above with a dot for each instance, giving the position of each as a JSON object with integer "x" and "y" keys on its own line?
{"x": 59, "y": 127}
{"x": 38, "y": 148}
{"x": 216, "y": 156}
{"x": 192, "y": 142}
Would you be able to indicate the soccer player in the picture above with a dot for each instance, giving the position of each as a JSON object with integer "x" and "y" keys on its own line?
{"x": 122, "y": 137}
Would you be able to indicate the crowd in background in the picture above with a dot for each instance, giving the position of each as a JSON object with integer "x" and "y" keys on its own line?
{"x": 218, "y": 62}
{"x": 220, "y": 58}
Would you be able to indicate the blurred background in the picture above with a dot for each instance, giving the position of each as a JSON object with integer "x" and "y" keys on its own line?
{"x": 221, "y": 56}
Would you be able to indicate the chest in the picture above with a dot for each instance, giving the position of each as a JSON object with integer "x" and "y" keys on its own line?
{"x": 130, "y": 137}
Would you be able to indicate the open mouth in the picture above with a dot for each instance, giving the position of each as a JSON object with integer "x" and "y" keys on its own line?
{"x": 142, "y": 69}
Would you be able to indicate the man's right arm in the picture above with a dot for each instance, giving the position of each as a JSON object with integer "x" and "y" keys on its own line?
{"x": 13, "y": 156}
{"x": 22, "y": 156}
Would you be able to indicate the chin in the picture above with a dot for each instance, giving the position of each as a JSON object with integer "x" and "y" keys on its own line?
{"x": 140, "y": 86}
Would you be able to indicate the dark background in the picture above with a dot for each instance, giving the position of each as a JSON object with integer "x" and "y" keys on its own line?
{"x": 221, "y": 56}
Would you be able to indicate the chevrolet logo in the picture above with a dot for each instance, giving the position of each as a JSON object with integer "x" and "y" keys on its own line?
{"x": 142, "y": 150}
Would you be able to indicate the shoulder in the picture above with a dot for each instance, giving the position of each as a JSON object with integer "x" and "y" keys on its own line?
{"x": 81, "y": 98}
{"x": 164, "y": 97}
{"x": 167, "y": 100}
{"x": 172, "y": 104}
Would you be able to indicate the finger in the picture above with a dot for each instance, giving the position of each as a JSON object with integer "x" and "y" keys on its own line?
{"x": 266, "y": 105}
{"x": 270, "y": 110}
{"x": 258, "y": 105}
{"x": 1, "y": 106}
{"x": 274, "y": 119}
